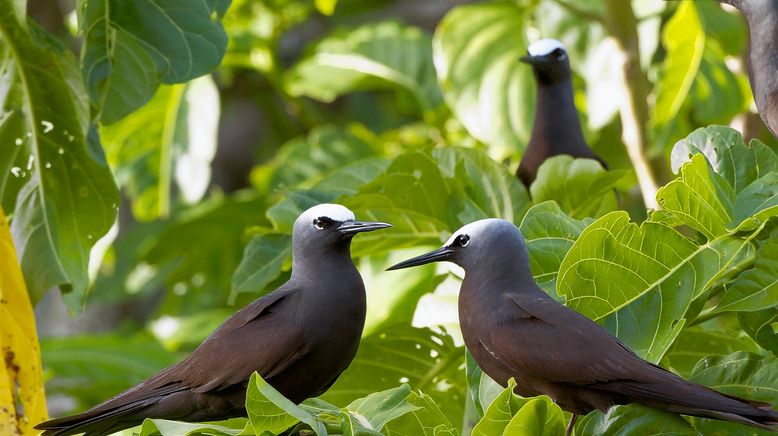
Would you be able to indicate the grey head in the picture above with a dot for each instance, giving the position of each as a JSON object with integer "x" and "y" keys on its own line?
{"x": 324, "y": 232}
{"x": 549, "y": 61}
{"x": 490, "y": 247}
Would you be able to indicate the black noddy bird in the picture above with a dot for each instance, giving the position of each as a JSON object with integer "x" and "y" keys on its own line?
{"x": 514, "y": 329}
{"x": 762, "y": 18}
{"x": 557, "y": 129}
{"x": 299, "y": 338}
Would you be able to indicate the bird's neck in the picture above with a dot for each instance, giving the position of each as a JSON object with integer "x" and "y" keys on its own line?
{"x": 556, "y": 118}
{"x": 507, "y": 272}
{"x": 331, "y": 263}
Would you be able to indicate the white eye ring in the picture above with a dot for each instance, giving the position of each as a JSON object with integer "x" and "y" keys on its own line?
{"x": 463, "y": 240}
{"x": 320, "y": 223}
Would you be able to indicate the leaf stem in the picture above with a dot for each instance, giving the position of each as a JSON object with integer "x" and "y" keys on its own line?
{"x": 621, "y": 23}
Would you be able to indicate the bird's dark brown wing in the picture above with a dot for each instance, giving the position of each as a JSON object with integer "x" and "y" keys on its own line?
{"x": 548, "y": 341}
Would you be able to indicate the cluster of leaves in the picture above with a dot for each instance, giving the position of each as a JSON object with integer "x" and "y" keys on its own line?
{"x": 402, "y": 126}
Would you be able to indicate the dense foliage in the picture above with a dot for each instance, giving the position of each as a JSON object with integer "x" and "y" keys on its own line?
{"x": 420, "y": 125}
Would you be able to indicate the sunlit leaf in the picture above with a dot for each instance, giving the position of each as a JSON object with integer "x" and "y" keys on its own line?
{"x": 695, "y": 343}
{"x": 634, "y": 419}
{"x": 538, "y": 416}
{"x": 268, "y": 410}
{"x": 757, "y": 288}
{"x": 499, "y": 413}
{"x": 762, "y": 326}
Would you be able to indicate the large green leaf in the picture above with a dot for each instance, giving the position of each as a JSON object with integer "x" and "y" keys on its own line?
{"x": 549, "y": 233}
{"x": 268, "y": 410}
{"x": 262, "y": 262}
{"x": 378, "y": 408}
{"x": 743, "y": 374}
{"x": 132, "y": 46}
{"x": 641, "y": 280}
{"x": 537, "y": 417}
{"x": 103, "y": 366}
{"x": 426, "y": 360}
{"x": 762, "y": 326}
{"x": 581, "y": 187}
{"x": 695, "y": 343}
{"x": 476, "y": 51}
{"x": 373, "y": 56}
{"x": 723, "y": 147}
{"x": 499, "y": 413}
{"x": 68, "y": 198}
{"x": 757, "y": 288}
{"x": 634, "y": 419}
{"x": 172, "y": 138}
{"x": 163, "y": 427}
{"x": 426, "y": 419}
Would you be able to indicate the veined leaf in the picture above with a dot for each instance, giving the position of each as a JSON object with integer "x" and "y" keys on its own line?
{"x": 372, "y": 56}
{"x": 68, "y": 199}
{"x": 172, "y": 138}
{"x": 618, "y": 272}
{"x": 130, "y": 47}
{"x": 634, "y": 419}
{"x": 164, "y": 427}
{"x": 379, "y": 408}
{"x": 757, "y": 288}
{"x": 695, "y": 343}
{"x": 537, "y": 417}
{"x": 424, "y": 359}
{"x": 427, "y": 419}
{"x": 268, "y": 410}
{"x": 476, "y": 50}
{"x": 762, "y": 327}
{"x": 581, "y": 187}
{"x": 22, "y": 400}
{"x": 499, "y": 413}
{"x": 549, "y": 233}
{"x": 723, "y": 147}
{"x": 262, "y": 262}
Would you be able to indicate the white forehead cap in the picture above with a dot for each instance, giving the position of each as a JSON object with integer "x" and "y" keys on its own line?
{"x": 544, "y": 47}
{"x": 334, "y": 211}
{"x": 473, "y": 229}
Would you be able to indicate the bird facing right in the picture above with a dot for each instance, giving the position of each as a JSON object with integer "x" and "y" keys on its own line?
{"x": 557, "y": 129}
{"x": 514, "y": 329}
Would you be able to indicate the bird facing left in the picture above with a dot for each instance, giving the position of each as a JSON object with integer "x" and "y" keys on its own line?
{"x": 299, "y": 338}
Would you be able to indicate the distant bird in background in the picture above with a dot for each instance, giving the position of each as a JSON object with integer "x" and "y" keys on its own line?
{"x": 762, "y": 17}
{"x": 299, "y": 338}
{"x": 514, "y": 329}
{"x": 557, "y": 129}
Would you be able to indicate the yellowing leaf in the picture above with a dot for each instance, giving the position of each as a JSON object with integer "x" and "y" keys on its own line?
{"x": 22, "y": 401}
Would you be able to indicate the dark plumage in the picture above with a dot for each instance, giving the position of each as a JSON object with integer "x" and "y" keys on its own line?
{"x": 762, "y": 17}
{"x": 557, "y": 129}
{"x": 514, "y": 329}
{"x": 300, "y": 338}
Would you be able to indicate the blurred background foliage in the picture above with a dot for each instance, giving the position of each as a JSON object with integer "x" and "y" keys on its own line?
{"x": 157, "y": 165}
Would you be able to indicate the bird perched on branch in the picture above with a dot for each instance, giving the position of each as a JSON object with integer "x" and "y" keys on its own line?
{"x": 299, "y": 338}
{"x": 762, "y": 17}
{"x": 514, "y": 329}
{"x": 557, "y": 129}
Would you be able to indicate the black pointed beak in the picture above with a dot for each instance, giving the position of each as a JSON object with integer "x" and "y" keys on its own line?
{"x": 443, "y": 253}
{"x": 353, "y": 227}
{"x": 534, "y": 60}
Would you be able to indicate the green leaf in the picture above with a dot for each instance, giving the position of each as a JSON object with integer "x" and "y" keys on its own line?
{"x": 424, "y": 359}
{"x": 537, "y": 417}
{"x": 172, "y": 138}
{"x": 268, "y": 410}
{"x": 634, "y": 419}
{"x": 262, "y": 262}
{"x": 103, "y": 366}
{"x": 427, "y": 419}
{"x": 378, "y": 408}
{"x": 487, "y": 188}
{"x": 684, "y": 39}
{"x": 762, "y": 326}
{"x": 164, "y": 427}
{"x": 549, "y": 233}
{"x": 757, "y": 203}
{"x": 68, "y": 198}
{"x": 476, "y": 50}
{"x": 699, "y": 198}
{"x": 757, "y": 288}
{"x": 742, "y": 374}
{"x": 130, "y": 47}
{"x": 499, "y": 412}
{"x": 581, "y": 187}
{"x": 641, "y": 280}
{"x": 374, "y": 56}
{"x": 695, "y": 343}
{"x": 723, "y": 147}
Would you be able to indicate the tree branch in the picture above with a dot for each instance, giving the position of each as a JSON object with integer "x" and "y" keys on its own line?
{"x": 621, "y": 23}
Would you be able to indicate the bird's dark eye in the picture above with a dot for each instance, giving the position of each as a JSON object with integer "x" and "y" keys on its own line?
{"x": 462, "y": 240}
{"x": 558, "y": 53}
{"x": 321, "y": 222}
